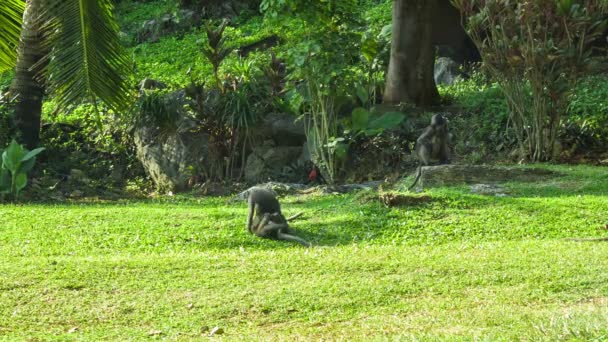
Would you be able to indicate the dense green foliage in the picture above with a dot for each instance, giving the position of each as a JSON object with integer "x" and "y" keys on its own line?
{"x": 485, "y": 118}
{"x": 10, "y": 21}
{"x": 456, "y": 265}
{"x": 481, "y": 131}
{"x": 69, "y": 50}
{"x": 536, "y": 65}
{"x": 587, "y": 124}
{"x": 484, "y": 106}
{"x": 16, "y": 162}
{"x": 344, "y": 52}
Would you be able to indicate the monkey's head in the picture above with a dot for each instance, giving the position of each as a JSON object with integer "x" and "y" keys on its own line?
{"x": 438, "y": 121}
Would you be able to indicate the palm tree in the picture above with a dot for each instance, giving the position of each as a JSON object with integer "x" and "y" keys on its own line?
{"x": 69, "y": 48}
{"x": 10, "y": 23}
{"x": 26, "y": 86}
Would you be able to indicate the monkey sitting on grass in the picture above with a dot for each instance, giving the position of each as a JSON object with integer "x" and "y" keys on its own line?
{"x": 269, "y": 221}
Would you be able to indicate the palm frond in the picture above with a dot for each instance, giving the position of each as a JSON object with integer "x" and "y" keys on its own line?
{"x": 11, "y": 15}
{"x": 86, "y": 59}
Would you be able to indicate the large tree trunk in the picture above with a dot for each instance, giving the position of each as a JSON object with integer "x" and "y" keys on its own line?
{"x": 27, "y": 88}
{"x": 410, "y": 72}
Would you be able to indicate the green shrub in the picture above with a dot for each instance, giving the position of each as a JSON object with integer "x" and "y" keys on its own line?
{"x": 5, "y": 109}
{"x": 74, "y": 141}
{"x": 17, "y": 161}
{"x": 158, "y": 109}
{"x": 379, "y": 14}
{"x": 5, "y": 80}
{"x": 480, "y": 128}
{"x": 537, "y": 65}
{"x": 586, "y": 124}
{"x": 6, "y": 125}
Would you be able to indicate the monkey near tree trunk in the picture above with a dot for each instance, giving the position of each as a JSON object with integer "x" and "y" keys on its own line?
{"x": 433, "y": 145}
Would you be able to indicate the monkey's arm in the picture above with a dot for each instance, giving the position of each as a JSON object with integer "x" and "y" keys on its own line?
{"x": 251, "y": 208}
{"x": 426, "y": 135}
{"x": 424, "y": 146}
{"x": 263, "y": 223}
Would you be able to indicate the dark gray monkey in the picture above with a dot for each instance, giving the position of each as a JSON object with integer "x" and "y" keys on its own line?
{"x": 269, "y": 221}
{"x": 261, "y": 201}
{"x": 433, "y": 144}
{"x": 274, "y": 226}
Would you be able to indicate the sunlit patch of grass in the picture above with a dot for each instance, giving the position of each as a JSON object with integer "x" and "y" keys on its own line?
{"x": 458, "y": 266}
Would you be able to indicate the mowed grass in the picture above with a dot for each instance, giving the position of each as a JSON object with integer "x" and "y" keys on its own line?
{"x": 459, "y": 267}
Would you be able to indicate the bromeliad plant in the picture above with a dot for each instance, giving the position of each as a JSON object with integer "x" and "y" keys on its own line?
{"x": 17, "y": 161}
{"x": 216, "y": 50}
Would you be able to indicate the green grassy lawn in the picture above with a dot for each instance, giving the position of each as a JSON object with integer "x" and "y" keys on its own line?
{"x": 460, "y": 267}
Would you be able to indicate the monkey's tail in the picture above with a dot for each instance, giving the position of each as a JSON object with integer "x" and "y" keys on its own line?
{"x": 288, "y": 237}
{"x": 293, "y": 217}
{"x": 418, "y": 173}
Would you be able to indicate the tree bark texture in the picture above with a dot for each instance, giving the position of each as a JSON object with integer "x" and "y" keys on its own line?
{"x": 410, "y": 72}
{"x": 26, "y": 85}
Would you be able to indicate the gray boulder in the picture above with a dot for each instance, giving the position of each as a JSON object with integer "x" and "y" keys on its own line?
{"x": 447, "y": 71}
{"x": 283, "y": 129}
{"x": 282, "y": 148}
{"x": 169, "y": 23}
{"x": 267, "y": 162}
{"x": 170, "y": 155}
